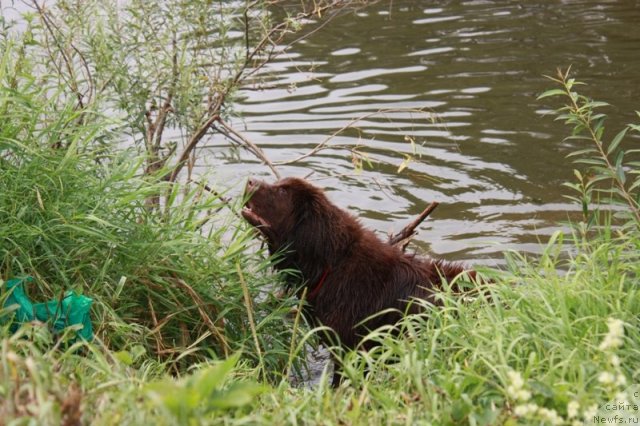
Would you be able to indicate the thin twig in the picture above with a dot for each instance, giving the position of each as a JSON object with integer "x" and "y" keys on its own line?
{"x": 249, "y": 307}
{"x": 323, "y": 145}
{"x": 225, "y": 200}
{"x": 255, "y": 149}
{"x": 166, "y": 108}
{"x": 207, "y": 320}
{"x": 296, "y": 322}
{"x": 272, "y": 38}
{"x": 155, "y": 322}
{"x": 402, "y": 238}
{"x": 71, "y": 82}
{"x": 191, "y": 144}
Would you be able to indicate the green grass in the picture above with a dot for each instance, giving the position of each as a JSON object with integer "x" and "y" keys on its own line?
{"x": 452, "y": 366}
{"x": 164, "y": 280}
{"x": 172, "y": 286}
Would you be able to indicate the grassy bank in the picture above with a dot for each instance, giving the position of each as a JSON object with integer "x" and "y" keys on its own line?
{"x": 550, "y": 348}
{"x": 172, "y": 285}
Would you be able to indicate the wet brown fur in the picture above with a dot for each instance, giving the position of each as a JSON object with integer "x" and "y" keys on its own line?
{"x": 363, "y": 275}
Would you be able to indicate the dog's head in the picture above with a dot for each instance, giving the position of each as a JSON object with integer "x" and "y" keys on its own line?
{"x": 280, "y": 210}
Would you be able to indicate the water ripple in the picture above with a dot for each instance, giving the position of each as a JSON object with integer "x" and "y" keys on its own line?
{"x": 484, "y": 148}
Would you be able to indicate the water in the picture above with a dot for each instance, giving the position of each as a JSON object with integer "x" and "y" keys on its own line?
{"x": 489, "y": 152}
{"x": 494, "y": 158}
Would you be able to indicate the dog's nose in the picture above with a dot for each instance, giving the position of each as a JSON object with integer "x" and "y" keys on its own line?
{"x": 252, "y": 184}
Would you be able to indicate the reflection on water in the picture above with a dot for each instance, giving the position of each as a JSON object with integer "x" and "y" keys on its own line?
{"x": 492, "y": 158}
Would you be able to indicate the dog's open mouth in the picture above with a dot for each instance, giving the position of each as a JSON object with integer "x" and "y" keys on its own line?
{"x": 253, "y": 218}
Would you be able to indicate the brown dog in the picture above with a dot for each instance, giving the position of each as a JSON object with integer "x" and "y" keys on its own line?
{"x": 349, "y": 273}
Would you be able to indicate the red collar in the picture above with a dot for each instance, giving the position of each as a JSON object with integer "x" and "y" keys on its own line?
{"x": 318, "y": 286}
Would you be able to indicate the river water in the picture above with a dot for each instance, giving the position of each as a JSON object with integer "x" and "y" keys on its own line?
{"x": 485, "y": 149}
{"x": 489, "y": 152}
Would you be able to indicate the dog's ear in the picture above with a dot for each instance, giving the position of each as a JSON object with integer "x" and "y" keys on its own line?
{"x": 319, "y": 234}
{"x": 312, "y": 225}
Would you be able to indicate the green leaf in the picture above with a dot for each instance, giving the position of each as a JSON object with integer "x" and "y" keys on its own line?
{"x": 577, "y": 174}
{"x": 212, "y": 377}
{"x": 620, "y": 174}
{"x": 203, "y": 391}
{"x": 590, "y": 161}
{"x": 556, "y": 236}
{"x": 119, "y": 288}
{"x": 635, "y": 185}
{"x": 596, "y": 104}
{"x": 552, "y": 92}
{"x": 484, "y": 416}
{"x": 405, "y": 163}
{"x": 124, "y": 357}
{"x": 540, "y": 388}
{"x": 577, "y": 137}
{"x": 619, "y": 158}
{"x": 581, "y": 152}
{"x": 599, "y": 178}
{"x": 570, "y": 82}
{"x": 616, "y": 141}
{"x": 460, "y": 410}
{"x": 173, "y": 397}
{"x": 137, "y": 351}
{"x": 236, "y": 395}
{"x": 575, "y": 199}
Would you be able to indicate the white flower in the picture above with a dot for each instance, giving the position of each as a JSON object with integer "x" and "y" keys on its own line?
{"x": 550, "y": 415}
{"x": 616, "y": 326}
{"x": 572, "y": 409}
{"x": 516, "y": 379}
{"x": 615, "y": 361}
{"x": 590, "y": 412}
{"x": 523, "y": 395}
{"x": 525, "y": 410}
{"x": 515, "y": 389}
{"x": 606, "y": 378}
{"x": 610, "y": 342}
{"x": 613, "y": 339}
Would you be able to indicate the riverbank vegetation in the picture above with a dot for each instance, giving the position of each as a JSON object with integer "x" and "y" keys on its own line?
{"x": 188, "y": 326}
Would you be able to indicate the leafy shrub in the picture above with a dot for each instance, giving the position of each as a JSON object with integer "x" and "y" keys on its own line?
{"x": 74, "y": 214}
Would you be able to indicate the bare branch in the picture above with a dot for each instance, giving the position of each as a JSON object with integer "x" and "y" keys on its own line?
{"x": 255, "y": 149}
{"x": 191, "y": 145}
{"x": 402, "y": 238}
{"x": 71, "y": 81}
{"x": 273, "y": 37}
{"x": 202, "y": 310}
{"x": 323, "y": 145}
{"x": 166, "y": 106}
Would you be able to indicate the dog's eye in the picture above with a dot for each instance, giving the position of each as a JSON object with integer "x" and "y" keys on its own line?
{"x": 282, "y": 190}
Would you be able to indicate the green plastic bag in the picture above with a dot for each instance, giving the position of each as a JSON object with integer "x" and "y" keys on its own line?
{"x": 71, "y": 310}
